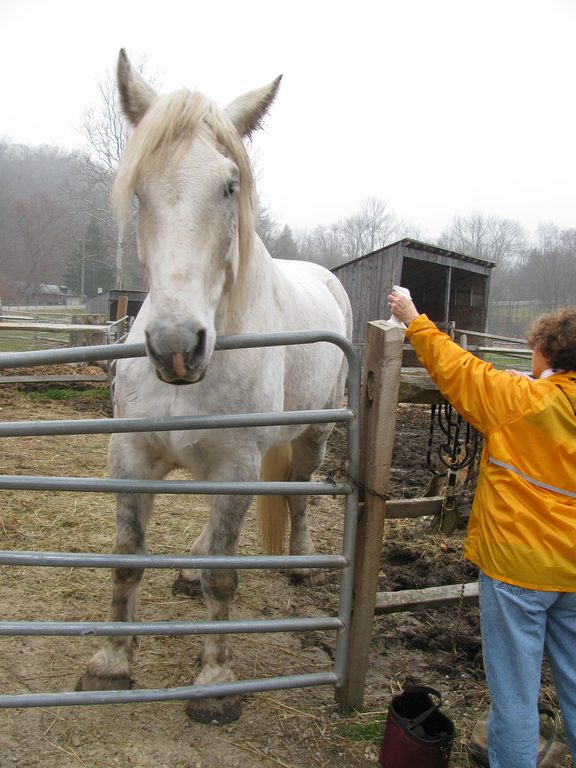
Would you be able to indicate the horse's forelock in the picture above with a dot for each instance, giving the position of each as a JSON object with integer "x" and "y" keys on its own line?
{"x": 170, "y": 118}
{"x": 227, "y": 135}
{"x": 173, "y": 120}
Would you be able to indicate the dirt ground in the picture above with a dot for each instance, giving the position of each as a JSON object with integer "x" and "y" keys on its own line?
{"x": 293, "y": 729}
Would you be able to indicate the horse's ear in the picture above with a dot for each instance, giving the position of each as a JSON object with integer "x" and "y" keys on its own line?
{"x": 248, "y": 111}
{"x": 136, "y": 95}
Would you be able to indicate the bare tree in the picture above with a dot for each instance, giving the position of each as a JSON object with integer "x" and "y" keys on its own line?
{"x": 32, "y": 184}
{"x": 550, "y": 269}
{"x": 381, "y": 225}
{"x": 486, "y": 237}
{"x": 373, "y": 227}
{"x": 39, "y": 223}
{"x": 103, "y": 127}
{"x": 324, "y": 245}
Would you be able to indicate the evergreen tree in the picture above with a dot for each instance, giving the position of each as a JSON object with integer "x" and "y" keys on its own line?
{"x": 285, "y": 246}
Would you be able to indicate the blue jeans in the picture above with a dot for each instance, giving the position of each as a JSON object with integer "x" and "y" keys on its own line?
{"x": 517, "y": 626}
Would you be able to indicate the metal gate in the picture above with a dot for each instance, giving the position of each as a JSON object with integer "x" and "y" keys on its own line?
{"x": 344, "y": 561}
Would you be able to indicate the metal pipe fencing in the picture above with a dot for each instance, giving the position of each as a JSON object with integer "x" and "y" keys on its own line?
{"x": 344, "y": 561}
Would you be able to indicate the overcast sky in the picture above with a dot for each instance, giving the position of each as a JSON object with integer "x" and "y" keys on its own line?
{"x": 439, "y": 107}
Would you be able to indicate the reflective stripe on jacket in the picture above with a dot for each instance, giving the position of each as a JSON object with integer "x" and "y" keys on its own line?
{"x": 522, "y": 528}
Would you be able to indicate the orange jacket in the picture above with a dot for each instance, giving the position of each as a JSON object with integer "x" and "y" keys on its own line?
{"x": 522, "y": 528}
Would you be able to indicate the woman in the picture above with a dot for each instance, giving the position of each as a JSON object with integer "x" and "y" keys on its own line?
{"x": 522, "y": 530}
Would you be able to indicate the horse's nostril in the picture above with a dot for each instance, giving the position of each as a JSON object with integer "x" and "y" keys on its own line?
{"x": 152, "y": 352}
{"x": 200, "y": 347}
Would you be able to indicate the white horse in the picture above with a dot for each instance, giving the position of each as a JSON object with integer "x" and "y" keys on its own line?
{"x": 209, "y": 274}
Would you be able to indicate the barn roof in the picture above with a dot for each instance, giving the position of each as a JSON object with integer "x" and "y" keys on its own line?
{"x": 416, "y": 245}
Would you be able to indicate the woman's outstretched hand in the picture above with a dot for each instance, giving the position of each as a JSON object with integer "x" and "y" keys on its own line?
{"x": 402, "y": 307}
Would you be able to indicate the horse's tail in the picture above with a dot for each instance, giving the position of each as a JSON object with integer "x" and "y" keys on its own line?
{"x": 272, "y": 511}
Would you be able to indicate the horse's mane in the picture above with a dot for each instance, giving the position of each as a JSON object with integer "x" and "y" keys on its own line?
{"x": 170, "y": 122}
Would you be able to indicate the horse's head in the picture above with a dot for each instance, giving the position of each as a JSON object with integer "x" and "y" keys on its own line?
{"x": 187, "y": 165}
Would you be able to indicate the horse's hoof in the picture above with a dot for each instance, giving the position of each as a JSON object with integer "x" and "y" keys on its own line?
{"x": 308, "y": 577}
{"x": 90, "y": 682}
{"x": 216, "y": 710}
{"x": 189, "y": 588}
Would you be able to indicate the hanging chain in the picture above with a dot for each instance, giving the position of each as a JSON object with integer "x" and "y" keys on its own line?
{"x": 457, "y": 624}
{"x": 457, "y": 451}
{"x": 336, "y": 476}
{"x": 431, "y": 468}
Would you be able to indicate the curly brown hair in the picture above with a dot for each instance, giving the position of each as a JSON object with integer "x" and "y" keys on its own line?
{"x": 555, "y": 336}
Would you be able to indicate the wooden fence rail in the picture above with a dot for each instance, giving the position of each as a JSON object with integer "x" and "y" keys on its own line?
{"x": 426, "y": 598}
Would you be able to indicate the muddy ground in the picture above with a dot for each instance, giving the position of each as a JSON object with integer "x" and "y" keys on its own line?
{"x": 294, "y": 729}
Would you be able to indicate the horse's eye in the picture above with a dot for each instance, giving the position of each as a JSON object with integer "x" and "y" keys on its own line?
{"x": 231, "y": 188}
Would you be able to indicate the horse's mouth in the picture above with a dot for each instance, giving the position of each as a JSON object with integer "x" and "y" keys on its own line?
{"x": 176, "y": 368}
{"x": 180, "y": 381}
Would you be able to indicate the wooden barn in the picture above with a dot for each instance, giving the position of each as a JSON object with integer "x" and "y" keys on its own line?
{"x": 446, "y": 285}
{"x": 106, "y": 303}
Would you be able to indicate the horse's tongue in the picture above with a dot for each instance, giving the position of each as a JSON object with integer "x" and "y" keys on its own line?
{"x": 179, "y": 367}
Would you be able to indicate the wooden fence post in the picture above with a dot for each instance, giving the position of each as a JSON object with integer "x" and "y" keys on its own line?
{"x": 85, "y": 338}
{"x": 380, "y": 384}
{"x": 121, "y": 312}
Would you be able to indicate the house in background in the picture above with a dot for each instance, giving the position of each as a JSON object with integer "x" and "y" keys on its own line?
{"x": 446, "y": 285}
{"x": 48, "y": 295}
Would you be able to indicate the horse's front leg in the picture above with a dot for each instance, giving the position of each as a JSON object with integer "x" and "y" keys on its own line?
{"x": 218, "y": 587}
{"x": 189, "y": 580}
{"x": 109, "y": 668}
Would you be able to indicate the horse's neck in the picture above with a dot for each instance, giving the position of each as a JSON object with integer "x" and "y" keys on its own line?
{"x": 249, "y": 310}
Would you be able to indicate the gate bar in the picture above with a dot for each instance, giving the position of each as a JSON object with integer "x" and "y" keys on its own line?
{"x": 68, "y": 698}
{"x": 177, "y": 562}
{"x": 172, "y": 423}
{"x": 122, "y": 628}
{"x": 121, "y": 351}
{"x": 207, "y": 487}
